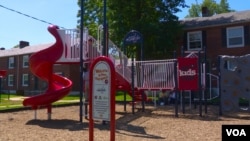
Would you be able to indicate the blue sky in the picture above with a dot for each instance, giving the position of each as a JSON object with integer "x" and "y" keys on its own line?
{"x": 15, "y": 27}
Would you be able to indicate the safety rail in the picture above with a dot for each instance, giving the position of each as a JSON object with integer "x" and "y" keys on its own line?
{"x": 156, "y": 74}
{"x": 71, "y": 46}
{"x": 213, "y": 86}
{"x": 153, "y": 74}
{"x": 121, "y": 62}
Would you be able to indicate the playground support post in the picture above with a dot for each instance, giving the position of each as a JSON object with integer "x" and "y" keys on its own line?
{"x": 0, "y": 89}
{"x": 49, "y": 109}
{"x": 200, "y": 87}
{"x": 143, "y": 102}
{"x": 125, "y": 101}
{"x": 176, "y": 86}
{"x": 81, "y": 59}
{"x": 182, "y": 102}
{"x": 205, "y": 77}
{"x": 105, "y": 29}
{"x": 220, "y": 106}
{"x": 133, "y": 90}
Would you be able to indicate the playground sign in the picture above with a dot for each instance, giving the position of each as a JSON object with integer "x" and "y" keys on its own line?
{"x": 188, "y": 74}
{"x": 133, "y": 37}
{"x": 102, "y": 94}
{"x": 101, "y": 91}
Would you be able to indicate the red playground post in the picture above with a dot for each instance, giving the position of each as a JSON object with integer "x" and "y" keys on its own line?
{"x": 102, "y": 94}
{"x": 3, "y": 73}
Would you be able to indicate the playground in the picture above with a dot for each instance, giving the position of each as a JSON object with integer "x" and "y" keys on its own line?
{"x": 155, "y": 124}
{"x": 140, "y": 120}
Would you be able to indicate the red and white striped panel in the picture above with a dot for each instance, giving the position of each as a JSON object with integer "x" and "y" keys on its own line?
{"x": 157, "y": 74}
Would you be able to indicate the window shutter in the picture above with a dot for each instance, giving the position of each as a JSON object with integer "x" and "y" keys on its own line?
{"x": 246, "y": 35}
{"x": 15, "y": 82}
{"x": 21, "y": 80}
{"x": 8, "y": 62}
{"x": 224, "y": 37}
{"x": 15, "y": 62}
{"x": 204, "y": 39}
{"x": 185, "y": 41}
{"x": 29, "y": 80}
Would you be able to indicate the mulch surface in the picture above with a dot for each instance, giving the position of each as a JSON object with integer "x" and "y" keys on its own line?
{"x": 154, "y": 124}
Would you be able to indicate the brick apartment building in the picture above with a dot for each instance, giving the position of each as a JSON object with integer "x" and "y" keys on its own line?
{"x": 19, "y": 78}
{"x": 221, "y": 34}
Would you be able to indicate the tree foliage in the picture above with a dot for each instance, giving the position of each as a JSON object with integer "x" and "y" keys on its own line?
{"x": 154, "y": 19}
{"x": 224, "y": 7}
{"x": 213, "y": 8}
{"x": 93, "y": 15}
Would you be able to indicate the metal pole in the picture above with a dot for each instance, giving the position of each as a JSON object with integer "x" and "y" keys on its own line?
{"x": 176, "y": 86}
{"x": 205, "y": 77}
{"x": 219, "y": 69}
{"x": 0, "y": 88}
{"x": 142, "y": 58}
{"x": 125, "y": 101}
{"x": 105, "y": 50}
{"x": 81, "y": 59}
{"x": 133, "y": 90}
{"x": 200, "y": 87}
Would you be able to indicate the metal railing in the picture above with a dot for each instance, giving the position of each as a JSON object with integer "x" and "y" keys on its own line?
{"x": 153, "y": 74}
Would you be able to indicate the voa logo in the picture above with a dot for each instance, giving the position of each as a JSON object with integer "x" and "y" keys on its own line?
{"x": 189, "y": 72}
{"x": 236, "y": 132}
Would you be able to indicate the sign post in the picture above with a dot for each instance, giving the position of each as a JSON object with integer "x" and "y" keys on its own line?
{"x": 134, "y": 37}
{"x": 102, "y": 94}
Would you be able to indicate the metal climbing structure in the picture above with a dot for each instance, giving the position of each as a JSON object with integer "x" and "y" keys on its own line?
{"x": 134, "y": 77}
{"x": 150, "y": 75}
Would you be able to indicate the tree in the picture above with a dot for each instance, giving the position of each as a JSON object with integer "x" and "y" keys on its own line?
{"x": 224, "y": 7}
{"x": 93, "y": 16}
{"x": 155, "y": 20}
{"x": 194, "y": 11}
{"x": 212, "y": 6}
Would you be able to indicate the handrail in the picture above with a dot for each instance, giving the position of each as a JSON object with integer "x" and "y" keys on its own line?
{"x": 210, "y": 84}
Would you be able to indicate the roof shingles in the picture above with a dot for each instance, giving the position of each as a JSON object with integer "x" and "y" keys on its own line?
{"x": 217, "y": 20}
{"x": 25, "y": 50}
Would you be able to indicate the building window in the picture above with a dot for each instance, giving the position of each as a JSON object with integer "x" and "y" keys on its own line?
{"x": 10, "y": 80}
{"x": 25, "y": 80}
{"x": 11, "y": 62}
{"x": 195, "y": 40}
{"x": 25, "y": 61}
{"x": 235, "y": 37}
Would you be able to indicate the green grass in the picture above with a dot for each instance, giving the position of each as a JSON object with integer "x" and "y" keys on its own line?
{"x": 119, "y": 97}
{"x": 6, "y": 101}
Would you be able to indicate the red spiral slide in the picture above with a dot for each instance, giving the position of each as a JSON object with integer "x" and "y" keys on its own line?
{"x": 41, "y": 65}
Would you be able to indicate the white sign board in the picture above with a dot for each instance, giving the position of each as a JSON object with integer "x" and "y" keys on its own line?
{"x": 101, "y": 91}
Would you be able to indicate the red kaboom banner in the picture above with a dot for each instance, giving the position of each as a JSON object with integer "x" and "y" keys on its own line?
{"x": 188, "y": 74}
